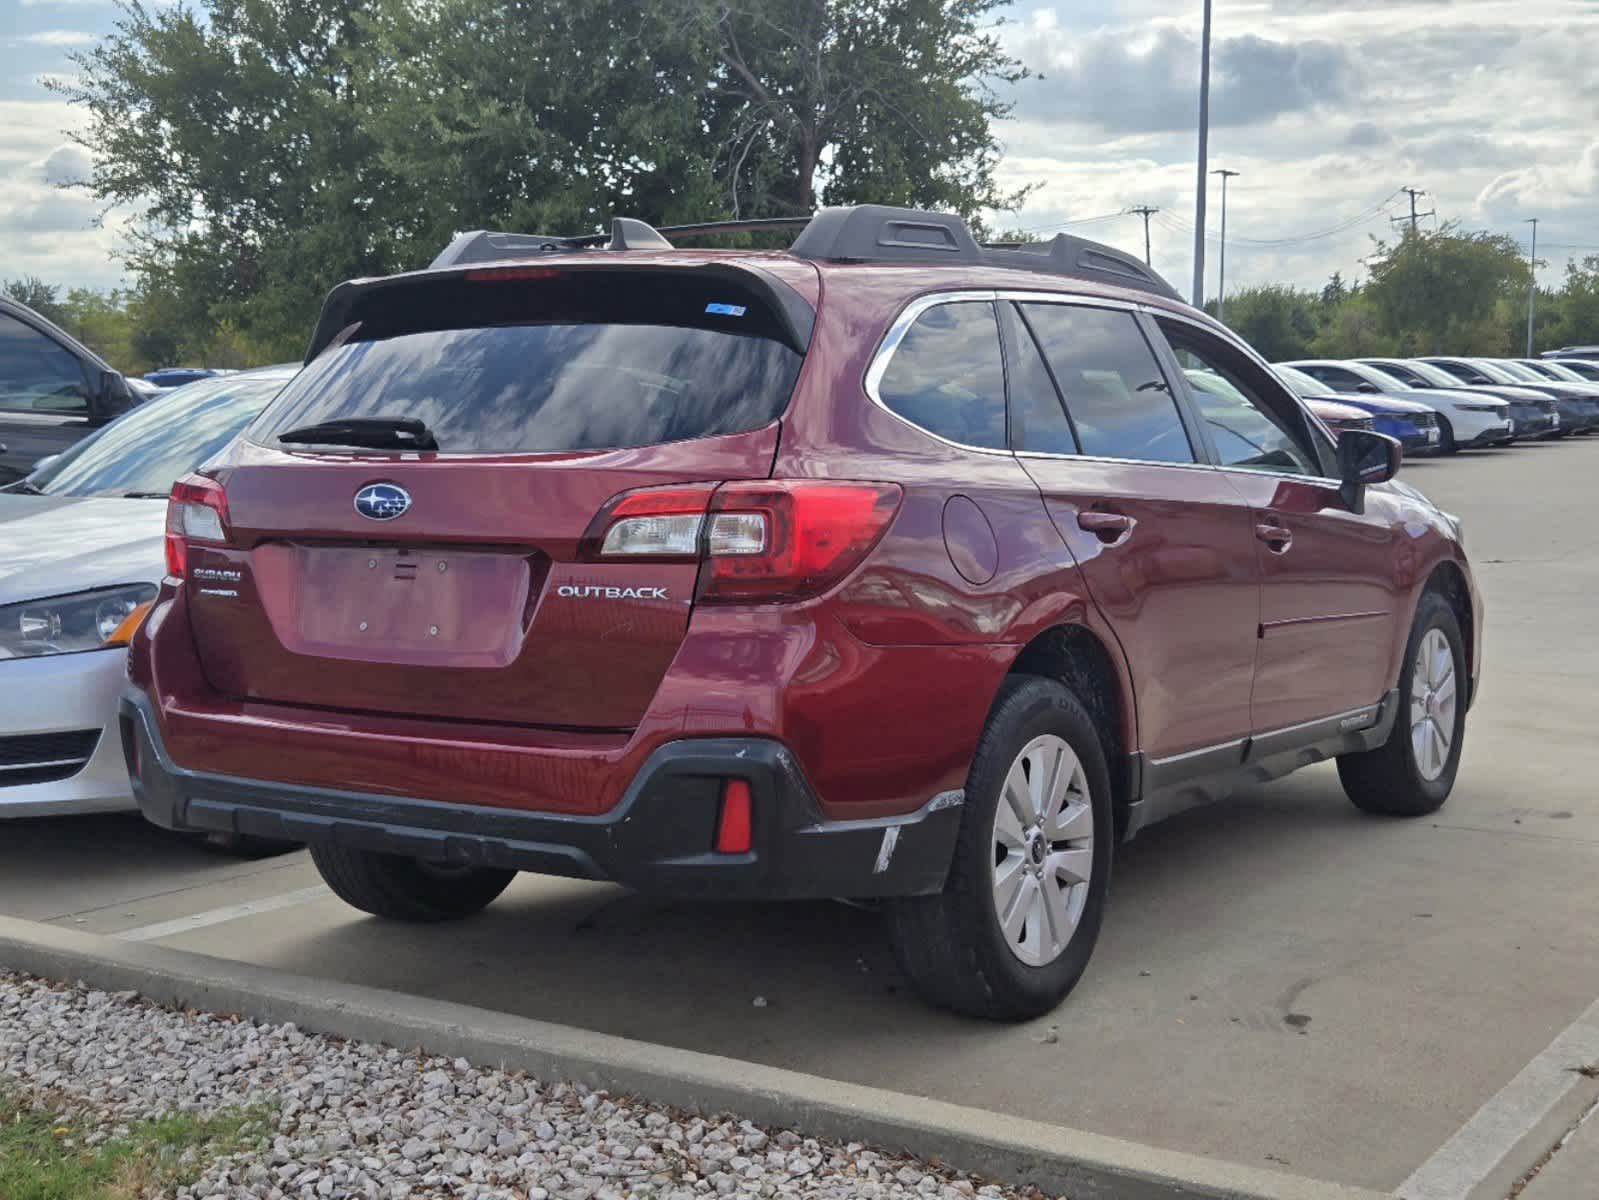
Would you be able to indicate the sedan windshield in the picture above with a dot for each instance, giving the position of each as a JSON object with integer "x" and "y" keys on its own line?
{"x": 149, "y": 449}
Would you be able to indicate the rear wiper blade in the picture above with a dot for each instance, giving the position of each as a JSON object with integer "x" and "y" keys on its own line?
{"x": 147, "y": 495}
{"x": 379, "y": 433}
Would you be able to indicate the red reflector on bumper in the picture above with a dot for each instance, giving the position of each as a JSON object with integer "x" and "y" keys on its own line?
{"x": 733, "y": 828}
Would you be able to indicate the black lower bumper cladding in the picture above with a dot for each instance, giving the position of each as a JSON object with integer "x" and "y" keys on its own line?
{"x": 658, "y": 839}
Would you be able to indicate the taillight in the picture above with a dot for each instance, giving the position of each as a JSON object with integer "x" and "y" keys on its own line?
{"x": 196, "y": 512}
{"x": 759, "y": 541}
{"x": 786, "y": 540}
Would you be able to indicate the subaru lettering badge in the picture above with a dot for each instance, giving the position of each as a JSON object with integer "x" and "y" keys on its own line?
{"x": 382, "y": 501}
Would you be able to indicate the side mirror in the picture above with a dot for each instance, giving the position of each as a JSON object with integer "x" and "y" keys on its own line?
{"x": 1363, "y": 458}
{"x": 1366, "y": 386}
{"x": 114, "y": 399}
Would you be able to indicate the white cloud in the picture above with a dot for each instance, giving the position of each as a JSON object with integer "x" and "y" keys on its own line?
{"x": 55, "y": 37}
{"x": 1543, "y": 187}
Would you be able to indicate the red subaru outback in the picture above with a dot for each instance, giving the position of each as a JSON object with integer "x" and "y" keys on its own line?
{"x": 891, "y": 566}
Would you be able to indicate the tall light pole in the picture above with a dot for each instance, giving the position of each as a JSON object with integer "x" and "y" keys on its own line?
{"x": 1221, "y": 284}
{"x": 1204, "y": 150}
{"x": 1532, "y": 288}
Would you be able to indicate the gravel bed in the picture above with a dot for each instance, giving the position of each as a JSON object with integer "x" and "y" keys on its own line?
{"x": 354, "y": 1119}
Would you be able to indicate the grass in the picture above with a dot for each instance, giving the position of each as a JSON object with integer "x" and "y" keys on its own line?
{"x": 44, "y": 1158}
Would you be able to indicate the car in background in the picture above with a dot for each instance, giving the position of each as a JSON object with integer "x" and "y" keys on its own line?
{"x": 1577, "y": 413}
{"x": 1414, "y": 426}
{"x": 174, "y": 377}
{"x": 1532, "y": 414}
{"x": 81, "y": 560}
{"x": 1589, "y": 353}
{"x": 1565, "y": 368}
{"x": 54, "y": 390}
{"x": 1582, "y": 394}
{"x": 1465, "y": 418}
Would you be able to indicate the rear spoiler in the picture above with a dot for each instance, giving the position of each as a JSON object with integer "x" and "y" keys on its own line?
{"x": 342, "y": 308}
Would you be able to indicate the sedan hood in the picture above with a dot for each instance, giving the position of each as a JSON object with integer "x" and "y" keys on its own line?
{"x": 54, "y": 545}
{"x": 1459, "y": 395}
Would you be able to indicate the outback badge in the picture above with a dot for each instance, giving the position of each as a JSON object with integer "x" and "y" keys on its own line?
{"x": 382, "y": 501}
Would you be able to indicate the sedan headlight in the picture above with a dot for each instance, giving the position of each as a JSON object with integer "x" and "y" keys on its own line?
{"x": 1485, "y": 408}
{"x": 94, "y": 620}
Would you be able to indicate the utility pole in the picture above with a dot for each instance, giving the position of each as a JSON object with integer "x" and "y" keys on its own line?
{"x": 1204, "y": 150}
{"x": 1145, "y": 211}
{"x": 1221, "y": 283}
{"x": 1414, "y": 215}
{"x": 1532, "y": 288}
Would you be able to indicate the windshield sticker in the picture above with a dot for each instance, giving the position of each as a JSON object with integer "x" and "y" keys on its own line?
{"x": 725, "y": 310}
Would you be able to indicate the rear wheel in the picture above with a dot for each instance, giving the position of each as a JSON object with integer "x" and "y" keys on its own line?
{"x": 407, "y": 889}
{"x": 1013, "y": 929}
{"x": 1412, "y": 773}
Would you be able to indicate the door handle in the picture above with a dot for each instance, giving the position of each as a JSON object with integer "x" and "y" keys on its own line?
{"x": 1106, "y": 526}
{"x": 1277, "y": 537}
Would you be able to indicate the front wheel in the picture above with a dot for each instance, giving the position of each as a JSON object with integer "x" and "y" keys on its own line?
{"x": 1013, "y": 929}
{"x": 407, "y": 889}
{"x": 1446, "y": 436}
{"x": 1413, "y": 772}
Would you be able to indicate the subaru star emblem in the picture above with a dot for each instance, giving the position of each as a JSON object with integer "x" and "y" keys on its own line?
{"x": 382, "y": 501}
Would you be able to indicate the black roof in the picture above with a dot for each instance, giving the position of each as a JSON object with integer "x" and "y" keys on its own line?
{"x": 863, "y": 233}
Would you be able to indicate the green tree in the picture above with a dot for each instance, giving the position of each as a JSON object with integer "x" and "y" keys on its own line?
{"x": 889, "y": 101}
{"x": 1279, "y": 322}
{"x": 1441, "y": 292}
{"x": 273, "y": 150}
{"x": 36, "y": 294}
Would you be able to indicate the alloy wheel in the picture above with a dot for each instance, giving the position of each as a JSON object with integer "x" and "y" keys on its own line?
{"x": 1043, "y": 850}
{"x": 1432, "y": 704}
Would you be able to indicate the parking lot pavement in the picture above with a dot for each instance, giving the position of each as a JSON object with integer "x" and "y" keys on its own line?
{"x": 1280, "y": 982}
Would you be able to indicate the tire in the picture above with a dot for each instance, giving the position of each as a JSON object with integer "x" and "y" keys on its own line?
{"x": 407, "y": 889}
{"x": 1446, "y": 436}
{"x": 951, "y": 945}
{"x": 1406, "y": 776}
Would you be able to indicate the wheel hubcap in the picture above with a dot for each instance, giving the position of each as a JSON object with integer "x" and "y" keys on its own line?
{"x": 1432, "y": 704}
{"x": 1043, "y": 850}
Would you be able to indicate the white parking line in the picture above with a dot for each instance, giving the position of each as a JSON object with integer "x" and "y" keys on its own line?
{"x": 1482, "y": 1143}
{"x": 217, "y": 916}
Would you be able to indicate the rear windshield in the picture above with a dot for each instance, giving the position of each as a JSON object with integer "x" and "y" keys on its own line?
{"x": 575, "y": 361}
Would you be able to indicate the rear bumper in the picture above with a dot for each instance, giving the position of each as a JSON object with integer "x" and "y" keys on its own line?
{"x": 658, "y": 839}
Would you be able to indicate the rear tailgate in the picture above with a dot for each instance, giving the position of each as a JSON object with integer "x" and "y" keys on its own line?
{"x": 482, "y": 600}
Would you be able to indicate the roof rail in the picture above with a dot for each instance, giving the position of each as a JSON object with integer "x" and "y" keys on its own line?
{"x": 862, "y": 233}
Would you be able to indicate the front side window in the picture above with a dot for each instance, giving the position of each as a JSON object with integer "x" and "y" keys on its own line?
{"x": 1119, "y": 400}
{"x": 947, "y": 375}
{"x": 1462, "y": 372}
{"x": 38, "y": 374}
{"x": 1250, "y": 425}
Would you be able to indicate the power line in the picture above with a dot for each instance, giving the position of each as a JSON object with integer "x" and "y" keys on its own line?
{"x": 1120, "y": 212}
{"x": 1344, "y": 226}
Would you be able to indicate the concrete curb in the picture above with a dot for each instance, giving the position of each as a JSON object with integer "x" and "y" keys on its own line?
{"x": 1084, "y": 1166}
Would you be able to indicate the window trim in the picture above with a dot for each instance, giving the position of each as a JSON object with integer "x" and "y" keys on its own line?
{"x": 890, "y": 344}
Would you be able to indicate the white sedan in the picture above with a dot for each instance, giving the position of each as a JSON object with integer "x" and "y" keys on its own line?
{"x": 81, "y": 559}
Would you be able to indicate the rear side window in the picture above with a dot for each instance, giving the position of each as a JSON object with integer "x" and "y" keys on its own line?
{"x": 947, "y": 376}
{"x": 581, "y": 361}
{"x": 1119, "y": 401}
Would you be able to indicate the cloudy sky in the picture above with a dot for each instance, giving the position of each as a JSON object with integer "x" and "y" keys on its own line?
{"x": 1326, "y": 107}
